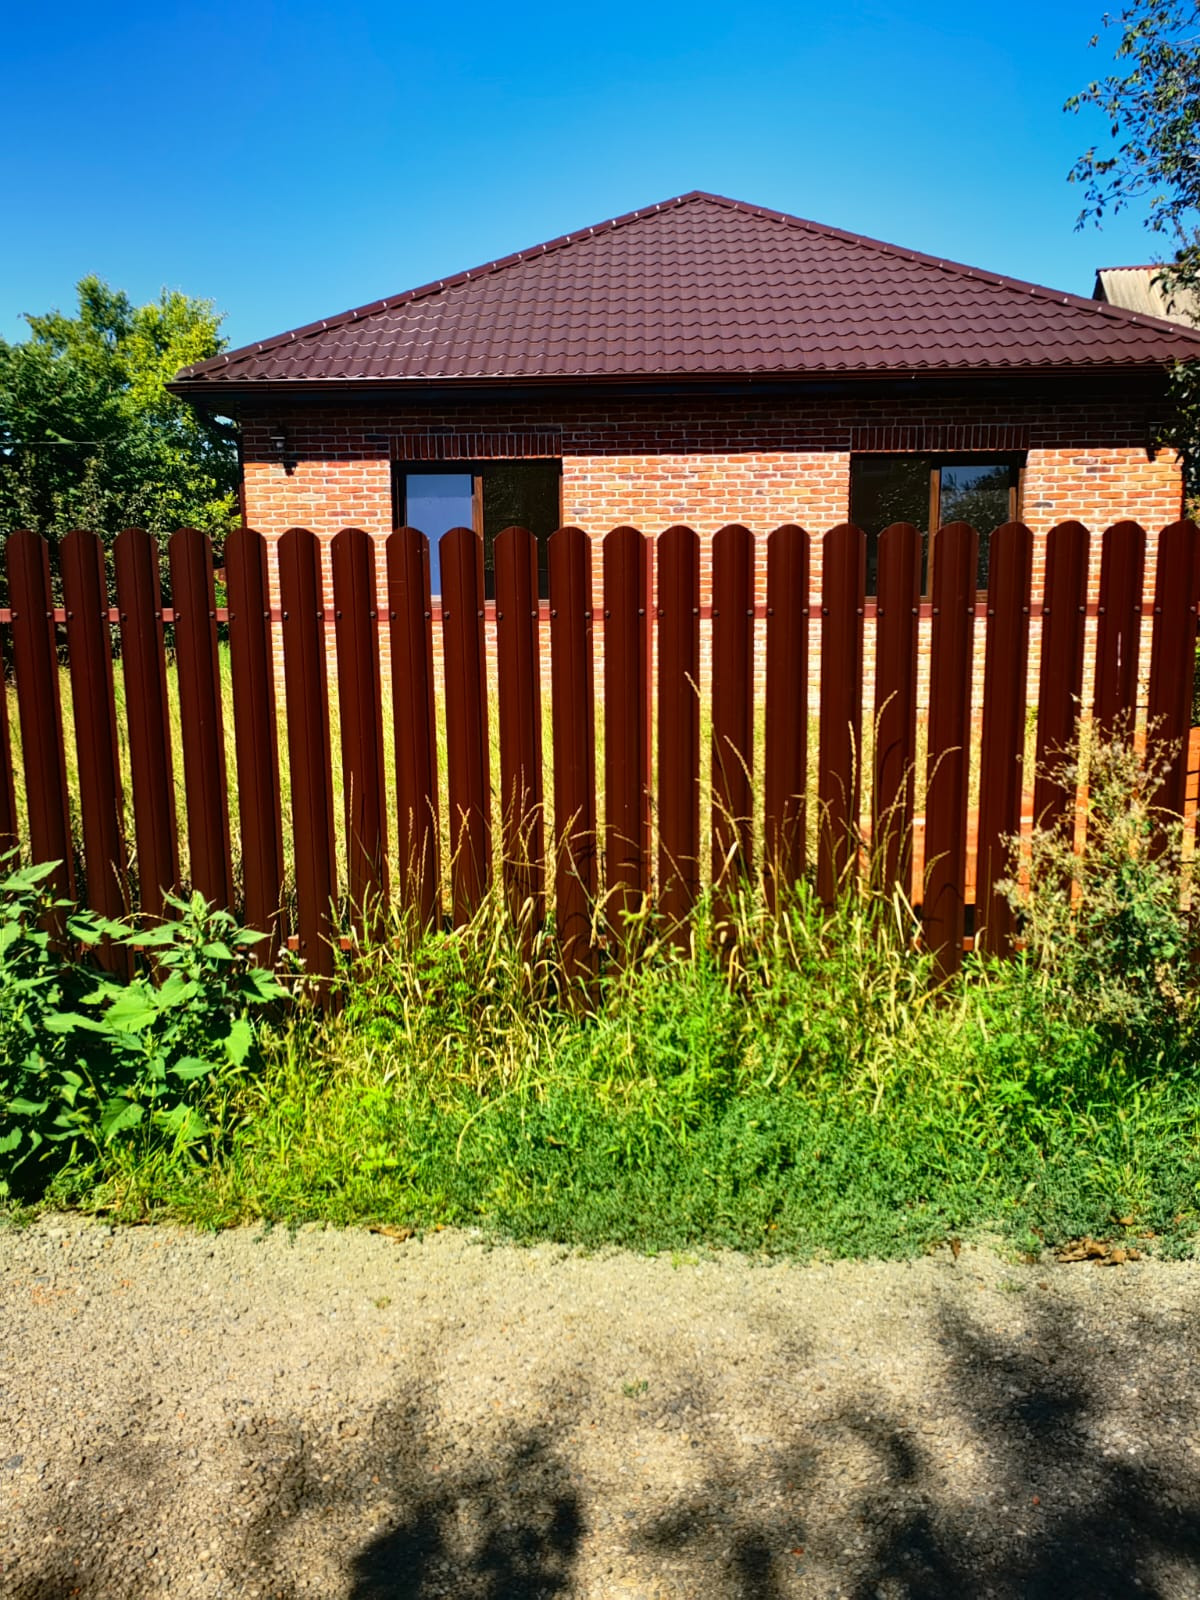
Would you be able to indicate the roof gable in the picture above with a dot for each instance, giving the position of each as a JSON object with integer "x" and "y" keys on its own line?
{"x": 704, "y": 287}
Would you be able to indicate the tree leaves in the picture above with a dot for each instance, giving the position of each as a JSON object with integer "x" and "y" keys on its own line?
{"x": 90, "y": 435}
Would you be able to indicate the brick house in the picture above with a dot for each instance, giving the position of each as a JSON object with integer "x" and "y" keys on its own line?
{"x": 705, "y": 361}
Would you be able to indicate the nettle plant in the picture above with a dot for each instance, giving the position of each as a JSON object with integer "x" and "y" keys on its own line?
{"x": 87, "y": 1061}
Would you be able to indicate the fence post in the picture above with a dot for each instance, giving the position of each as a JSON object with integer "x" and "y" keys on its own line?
{"x": 35, "y": 659}
{"x": 732, "y": 711}
{"x": 626, "y": 725}
{"x": 468, "y": 759}
{"x": 89, "y": 655}
{"x": 678, "y": 725}
{"x": 410, "y": 616}
{"x": 1119, "y": 630}
{"x": 1173, "y": 659}
{"x": 144, "y": 670}
{"x": 955, "y": 561}
{"x": 201, "y": 714}
{"x": 520, "y": 713}
{"x": 252, "y": 670}
{"x": 897, "y": 610}
{"x": 1002, "y": 751}
{"x": 1064, "y": 608}
{"x": 573, "y": 708}
{"x": 360, "y": 708}
{"x": 785, "y": 755}
{"x": 9, "y": 835}
{"x": 843, "y": 588}
{"x": 307, "y": 697}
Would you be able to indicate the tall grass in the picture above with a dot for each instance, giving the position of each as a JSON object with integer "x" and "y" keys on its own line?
{"x": 787, "y": 1081}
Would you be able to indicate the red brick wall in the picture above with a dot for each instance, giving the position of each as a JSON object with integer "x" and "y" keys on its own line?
{"x": 709, "y": 462}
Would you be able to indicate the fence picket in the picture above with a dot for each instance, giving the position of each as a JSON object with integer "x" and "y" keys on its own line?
{"x": 1172, "y": 659}
{"x": 35, "y": 662}
{"x": 1002, "y": 753}
{"x": 678, "y": 723}
{"x": 307, "y": 699}
{"x": 256, "y": 744}
{"x": 144, "y": 668}
{"x": 1061, "y": 678}
{"x": 10, "y": 833}
{"x": 410, "y": 612}
{"x": 573, "y": 711}
{"x": 201, "y": 715}
{"x": 1119, "y": 629}
{"x": 897, "y": 605}
{"x": 843, "y": 587}
{"x": 732, "y": 708}
{"x": 520, "y": 715}
{"x": 954, "y": 559}
{"x": 89, "y": 658}
{"x": 468, "y": 761}
{"x": 785, "y": 754}
{"x": 360, "y": 709}
{"x": 626, "y": 725}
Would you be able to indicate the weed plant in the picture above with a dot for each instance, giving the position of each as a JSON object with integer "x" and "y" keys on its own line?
{"x": 790, "y": 1079}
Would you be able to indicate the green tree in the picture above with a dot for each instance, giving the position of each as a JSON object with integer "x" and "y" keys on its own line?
{"x": 90, "y": 437}
{"x": 1152, "y": 105}
{"x": 1152, "y": 160}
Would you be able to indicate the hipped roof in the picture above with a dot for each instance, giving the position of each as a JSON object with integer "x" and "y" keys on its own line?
{"x": 701, "y": 287}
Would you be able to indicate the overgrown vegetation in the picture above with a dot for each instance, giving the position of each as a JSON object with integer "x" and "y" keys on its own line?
{"x": 795, "y": 1082}
{"x": 95, "y": 1070}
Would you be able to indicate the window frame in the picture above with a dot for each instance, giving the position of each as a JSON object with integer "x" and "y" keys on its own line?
{"x": 1014, "y": 460}
{"x": 476, "y": 469}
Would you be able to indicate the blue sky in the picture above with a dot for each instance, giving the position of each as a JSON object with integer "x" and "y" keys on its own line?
{"x": 290, "y": 161}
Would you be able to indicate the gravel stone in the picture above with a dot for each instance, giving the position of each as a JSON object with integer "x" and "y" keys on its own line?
{"x": 339, "y": 1414}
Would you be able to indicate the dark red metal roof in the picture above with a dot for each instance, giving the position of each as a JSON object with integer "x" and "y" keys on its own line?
{"x": 703, "y": 287}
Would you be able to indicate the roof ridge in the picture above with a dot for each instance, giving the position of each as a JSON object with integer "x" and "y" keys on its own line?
{"x": 437, "y": 285}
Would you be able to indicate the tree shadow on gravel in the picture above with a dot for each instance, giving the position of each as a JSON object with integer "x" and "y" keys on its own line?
{"x": 499, "y": 1520}
{"x": 1010, "y": 1478}
{"x": 1060, "y": 1514}
{"x": 1052, "y": 1517}
{"x": 509, "y": 1530}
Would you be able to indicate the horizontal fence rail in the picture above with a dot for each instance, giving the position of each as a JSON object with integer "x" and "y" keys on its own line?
{"x": 677, "y": 714}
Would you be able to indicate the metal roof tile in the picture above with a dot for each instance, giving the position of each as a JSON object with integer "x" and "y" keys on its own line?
{"x": 701, "y": 286}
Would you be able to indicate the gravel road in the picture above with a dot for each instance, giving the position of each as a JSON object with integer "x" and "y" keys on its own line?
{"x": 341, "y": 1414}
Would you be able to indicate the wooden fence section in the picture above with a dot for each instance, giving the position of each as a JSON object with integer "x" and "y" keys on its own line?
{"x": 906, "y": 813}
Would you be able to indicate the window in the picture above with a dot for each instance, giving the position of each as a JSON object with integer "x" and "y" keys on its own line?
{"x": 930, "y": 491}
{"x": 489, "y": 497}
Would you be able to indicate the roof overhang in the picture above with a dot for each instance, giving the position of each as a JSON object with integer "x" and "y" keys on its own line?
{"x": 233, "y": 398}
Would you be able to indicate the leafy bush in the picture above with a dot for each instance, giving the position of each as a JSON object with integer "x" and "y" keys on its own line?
{"x": 38, "y": 993}
{"x": 1107, "y": 928}
{"x": 87, "y": 1062}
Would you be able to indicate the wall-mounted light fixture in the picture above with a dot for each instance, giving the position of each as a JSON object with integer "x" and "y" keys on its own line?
{"x": 277, "y": 435}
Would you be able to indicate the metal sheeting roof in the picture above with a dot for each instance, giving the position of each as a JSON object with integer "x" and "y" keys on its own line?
{"x": 702, "y": 286}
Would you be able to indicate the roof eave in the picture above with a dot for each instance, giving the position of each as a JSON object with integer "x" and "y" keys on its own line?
{"x": 213, "y": 393}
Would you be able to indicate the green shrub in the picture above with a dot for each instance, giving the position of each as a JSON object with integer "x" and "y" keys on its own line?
{"x": 88, "y": 1063}
{"x": 1107, "y": 929}
{"x": 38, "y": 994}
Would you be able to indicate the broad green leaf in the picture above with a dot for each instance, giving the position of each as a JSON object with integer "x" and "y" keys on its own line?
{"x": 190, "y": 1068}
{"x": 239, "y": 1040}
{"x": 117, "y": 1116}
